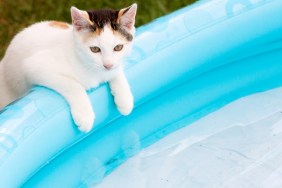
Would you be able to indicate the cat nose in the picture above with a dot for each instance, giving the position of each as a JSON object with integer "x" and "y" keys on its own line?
{"x": 108, "y": 66}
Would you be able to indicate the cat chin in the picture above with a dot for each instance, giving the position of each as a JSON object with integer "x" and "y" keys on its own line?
{"x": 112, "y": 72}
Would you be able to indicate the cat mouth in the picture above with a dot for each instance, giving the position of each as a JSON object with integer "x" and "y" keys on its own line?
{"x": 109, "y": 69}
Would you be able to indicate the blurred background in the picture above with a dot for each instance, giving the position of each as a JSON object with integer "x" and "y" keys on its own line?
{"x": 18, "y": 14}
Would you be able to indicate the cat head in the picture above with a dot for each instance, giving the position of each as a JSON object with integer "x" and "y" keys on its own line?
{"x": 103, "y": 37}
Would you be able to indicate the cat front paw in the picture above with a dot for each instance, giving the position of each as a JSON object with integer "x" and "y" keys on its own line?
{"x": 125, "y": 104}
{"x": 83, "y": 118}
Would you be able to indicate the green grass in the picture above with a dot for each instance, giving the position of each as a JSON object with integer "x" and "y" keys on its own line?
{"x": 18, "y": 14}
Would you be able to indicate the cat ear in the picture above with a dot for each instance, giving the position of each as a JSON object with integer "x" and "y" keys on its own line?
{"x": 80, "y": 19}
{"x": 126, "y": 16}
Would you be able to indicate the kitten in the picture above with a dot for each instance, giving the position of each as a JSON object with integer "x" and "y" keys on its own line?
{"x": 71, "y": 59}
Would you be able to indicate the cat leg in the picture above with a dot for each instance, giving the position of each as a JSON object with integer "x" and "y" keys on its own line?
{"x": 76, "y": 96}
{"x": 122, "y": 95}
{"x": 73, "y": 92}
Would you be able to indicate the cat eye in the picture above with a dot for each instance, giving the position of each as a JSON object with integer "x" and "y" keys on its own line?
{"x": 118, "y": 47}
{"x": 95, "y": 49}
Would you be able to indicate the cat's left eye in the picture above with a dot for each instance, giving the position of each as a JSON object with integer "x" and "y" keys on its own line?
{"x": 95, "y": 49}
{"x": 118, "y": 47}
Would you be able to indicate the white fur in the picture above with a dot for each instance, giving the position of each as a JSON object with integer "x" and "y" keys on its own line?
{"x": 59, "y": 59}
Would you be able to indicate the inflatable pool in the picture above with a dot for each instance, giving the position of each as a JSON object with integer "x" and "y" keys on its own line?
{"x": 239, "y": 145}
{"x": 183, "y": 66}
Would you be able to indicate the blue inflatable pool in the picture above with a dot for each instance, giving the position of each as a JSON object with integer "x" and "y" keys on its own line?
{"x": 183, "y": 66}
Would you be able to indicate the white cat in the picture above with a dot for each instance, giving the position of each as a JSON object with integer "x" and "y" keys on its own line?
{"x": 71, "y": 59}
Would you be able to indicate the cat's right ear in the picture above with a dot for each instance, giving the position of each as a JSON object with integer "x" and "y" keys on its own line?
{"x": 80, "y": 19}
{"x": 126, "y": 16}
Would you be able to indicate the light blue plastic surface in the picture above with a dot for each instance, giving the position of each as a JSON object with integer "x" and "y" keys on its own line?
{"x": 183, "y": 66}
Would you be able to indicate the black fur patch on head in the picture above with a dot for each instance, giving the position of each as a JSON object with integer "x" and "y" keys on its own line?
{"x": 102, "y": 17}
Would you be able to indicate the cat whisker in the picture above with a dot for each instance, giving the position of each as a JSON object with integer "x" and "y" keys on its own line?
{"x": 93, "y": 67}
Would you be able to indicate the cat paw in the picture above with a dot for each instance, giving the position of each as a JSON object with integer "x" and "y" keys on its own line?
{"x": 84, "y": 119}
{"x": 125, "y": 104}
